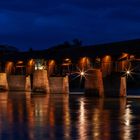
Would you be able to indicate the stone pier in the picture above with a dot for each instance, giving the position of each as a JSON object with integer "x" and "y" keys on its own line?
{"x": 3, "y": 81}
{"x": 41, "y": 81}
{"x": 123, "y": 88}
{"x": 94, "y": 83}
{"x": 112, "y": 85}
{"x": 115, "y": 85}
{"x": 19, "y": 83}
{"x": 28, "y": 83}
{"x": 59, "y": 85}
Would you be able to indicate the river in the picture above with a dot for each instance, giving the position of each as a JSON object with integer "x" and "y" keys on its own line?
{"x": 24, "y": 116}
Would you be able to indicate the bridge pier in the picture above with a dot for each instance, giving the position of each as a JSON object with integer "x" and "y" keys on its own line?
{"x": 123, "y": 88}
{"x": 28, "y": 83}
{"x": 59, "y": 84}
{"x": 41, "y": 81}
{"x": 94, "y": 83}
{"x": 3, "y": 81}
{"x": 19, "y": 83}
{"x": 114, "y": 85}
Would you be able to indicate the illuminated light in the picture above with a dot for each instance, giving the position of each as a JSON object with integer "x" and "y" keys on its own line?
{"x": 8, "y": 67}
{"x": 31, "y": 62}
{"x": 67, "y": 59}
{"x": 128, "y": 72}
{"x": 19, "y": 62}
{"x": 82, "y": 73}
{"x": 132, "y": 56}
{"x": 124, "y": 55}
{"x": 98, "y": 59}
{"x": 39, "y": 64}
{"x": 39, "y": 67}
{"x": 66, "y": 62}
{"x": 107, "y": 58}
{"x": 9, "y": 63}
{"x": 51, "y": 66}
{"x": 51, "y": 62}
{"x": 85, "y": 60}
{"x": 19, "y": 66}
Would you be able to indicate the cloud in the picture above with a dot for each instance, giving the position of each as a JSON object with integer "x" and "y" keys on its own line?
{"x": 41, "y": 24}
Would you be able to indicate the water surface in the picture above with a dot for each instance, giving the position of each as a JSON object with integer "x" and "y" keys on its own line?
{"x": 56, "y": 116}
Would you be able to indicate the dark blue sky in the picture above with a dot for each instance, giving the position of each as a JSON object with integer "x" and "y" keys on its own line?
{"x": 43, "y": 23}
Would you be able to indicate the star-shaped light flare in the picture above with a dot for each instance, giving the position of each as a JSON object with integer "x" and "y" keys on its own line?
{"x": 128, "y": 72}
{"x": 82, "y": 73}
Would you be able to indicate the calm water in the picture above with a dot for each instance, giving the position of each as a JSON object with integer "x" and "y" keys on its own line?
{"x": 41, "y": 117}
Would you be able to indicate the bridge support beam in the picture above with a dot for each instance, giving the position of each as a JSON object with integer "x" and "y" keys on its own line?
{"x": 41, "y": 81}
{"x": 123, "y": 88}
{"x": 28, "y": 83}
{"x": 59, "y": 85}
{"x": 94, "y": 83}
{"x": 3, "y": 81}
{"x": 19, "y": 83}
{"x": 114, "y": 85}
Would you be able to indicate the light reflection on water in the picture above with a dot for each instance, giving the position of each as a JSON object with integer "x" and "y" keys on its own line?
{"x": 56, "y": 116}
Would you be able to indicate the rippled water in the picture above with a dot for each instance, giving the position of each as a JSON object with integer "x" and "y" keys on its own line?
{"x": 56, "y": 116}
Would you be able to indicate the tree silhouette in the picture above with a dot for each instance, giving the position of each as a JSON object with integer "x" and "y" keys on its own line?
{"x": 30, "y": 49}
{"x": 77, "y": 42}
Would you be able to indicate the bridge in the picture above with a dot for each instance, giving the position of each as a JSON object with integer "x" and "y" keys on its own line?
{"x": 101, "y": 70}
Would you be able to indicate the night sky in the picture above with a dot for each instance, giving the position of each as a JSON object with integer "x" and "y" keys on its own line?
{"x": 44, "y": 23}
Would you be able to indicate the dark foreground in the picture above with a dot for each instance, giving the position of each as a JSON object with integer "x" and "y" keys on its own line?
{"x": 41, "y": 117}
